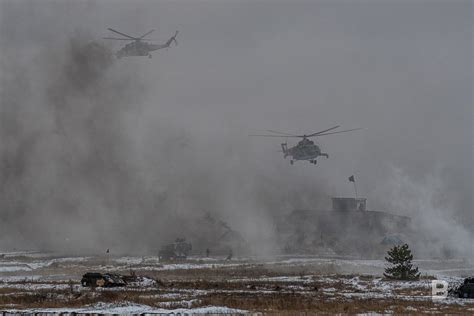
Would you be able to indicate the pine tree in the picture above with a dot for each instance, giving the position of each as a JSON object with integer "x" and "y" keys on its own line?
{"x": 402, "y": 269}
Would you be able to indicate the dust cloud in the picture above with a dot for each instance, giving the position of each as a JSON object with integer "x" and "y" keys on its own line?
{"x": 128, "y": 154}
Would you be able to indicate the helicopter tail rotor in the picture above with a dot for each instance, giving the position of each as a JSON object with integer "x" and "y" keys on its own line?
{"x": 174, "y": 38}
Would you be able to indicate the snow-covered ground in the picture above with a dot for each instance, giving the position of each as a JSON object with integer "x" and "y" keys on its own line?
{"x": 182, "y": 287}
{"x": 127, "y": 308}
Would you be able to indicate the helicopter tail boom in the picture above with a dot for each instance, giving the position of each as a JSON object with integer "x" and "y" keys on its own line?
{"x": 165, "y": 45}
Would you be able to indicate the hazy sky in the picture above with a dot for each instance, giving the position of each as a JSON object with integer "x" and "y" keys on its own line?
{"x": 400, "y": 69}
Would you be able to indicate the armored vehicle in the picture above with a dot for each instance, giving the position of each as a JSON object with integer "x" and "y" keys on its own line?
{"x": 95, "y": 279}
{"x": 466, "y": 290}
{"x": 178, "y": 250}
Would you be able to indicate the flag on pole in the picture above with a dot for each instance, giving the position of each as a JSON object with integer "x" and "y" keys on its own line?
{"x": 352, "y": 179}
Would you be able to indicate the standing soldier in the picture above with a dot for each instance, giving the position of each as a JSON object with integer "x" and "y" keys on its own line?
{"x": 229, "y": 257}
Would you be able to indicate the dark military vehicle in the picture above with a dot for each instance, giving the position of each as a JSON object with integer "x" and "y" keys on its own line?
{"x": 465, "y": 290}
{"x": 95, "y": 279}
{"x": 179, "y": 250}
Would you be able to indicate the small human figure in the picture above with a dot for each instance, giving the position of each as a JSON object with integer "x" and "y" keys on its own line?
{"x": 71, "y": 286}
{"x": 229, "y": 257}
{"x": 208, "y": 252}
{"x": 107, "y": 250}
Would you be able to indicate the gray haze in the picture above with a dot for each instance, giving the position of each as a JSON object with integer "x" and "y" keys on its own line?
{"x": 98, "y": 153}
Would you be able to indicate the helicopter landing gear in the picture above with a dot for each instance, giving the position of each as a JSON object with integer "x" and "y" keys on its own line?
{"x": 291, "y": 162}
{"x": 313, "y": 161}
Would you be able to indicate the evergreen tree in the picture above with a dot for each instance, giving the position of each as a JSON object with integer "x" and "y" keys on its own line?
{"x": 402, "y": 269}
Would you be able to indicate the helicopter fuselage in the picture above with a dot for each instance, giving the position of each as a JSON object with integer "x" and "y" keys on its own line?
{"x": 137, "y": 48}
{"x": 304, "y": 150}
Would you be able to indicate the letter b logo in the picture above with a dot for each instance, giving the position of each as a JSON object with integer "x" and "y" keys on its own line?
{"x": 439, "y": 289}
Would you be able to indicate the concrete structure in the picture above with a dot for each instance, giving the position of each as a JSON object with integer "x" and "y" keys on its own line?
{"x": 346, "y": 229}
{"x": 348, "y": 204}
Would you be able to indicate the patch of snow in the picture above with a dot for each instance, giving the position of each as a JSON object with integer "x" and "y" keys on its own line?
{"x": 19, "y": 278}
{"x": 296, "y": 279}
{"x": 171, "y": 304}
{"x": 131, "y": 308}
{"x": 356, "y": 283}
{"x": 129, "y": 260}
{"x": 190, "y": 266}
{"x": 14, "y": 268}
{"x": 35, "y": 287}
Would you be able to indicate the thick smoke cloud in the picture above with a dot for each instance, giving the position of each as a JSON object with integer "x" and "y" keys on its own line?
{"x": 99, "y": 153}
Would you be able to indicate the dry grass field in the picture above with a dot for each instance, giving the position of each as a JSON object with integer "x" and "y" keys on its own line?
{"x": 35, "y": 282}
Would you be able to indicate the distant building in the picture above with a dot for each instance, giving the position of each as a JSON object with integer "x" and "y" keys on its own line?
{"x": 349, "y": 228}
{"x": 348, "y": 204}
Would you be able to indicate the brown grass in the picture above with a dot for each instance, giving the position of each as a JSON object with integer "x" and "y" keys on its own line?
{"x": 296, "y": 304}
{"x": 247, "y": 291}
{"x": 277, "y": 300}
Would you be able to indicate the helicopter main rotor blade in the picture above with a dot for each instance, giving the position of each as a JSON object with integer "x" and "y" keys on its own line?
{"x": 118, "y": 39}
{"x": 141, "y": 37}
{"x": 319, "y": 133}
{"x": 277, "y": 132}
{"x": 115, "y": 31}
{"x": 281, "y": 136}
{"x": 347, "y": 130}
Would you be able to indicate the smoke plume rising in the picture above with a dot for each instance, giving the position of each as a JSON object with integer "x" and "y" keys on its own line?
{"x": 98, "y": 153}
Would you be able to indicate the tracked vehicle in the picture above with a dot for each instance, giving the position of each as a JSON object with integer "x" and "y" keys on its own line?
{"x": 179, "y": 250}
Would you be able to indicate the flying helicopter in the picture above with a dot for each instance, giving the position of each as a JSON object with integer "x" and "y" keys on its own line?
{"x": 139, "y": 47}
{"x": 306, "y": 149}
